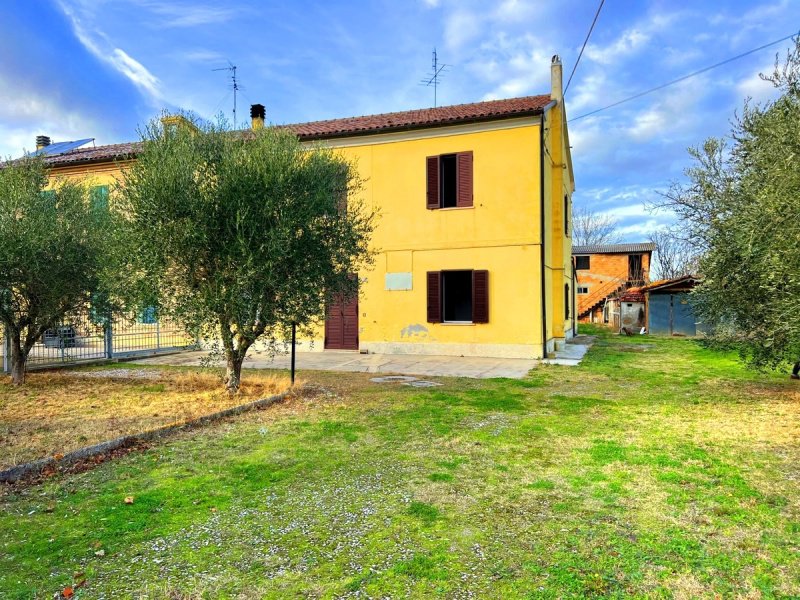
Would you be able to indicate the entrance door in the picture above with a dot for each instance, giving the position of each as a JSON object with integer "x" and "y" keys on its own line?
{"x": 341, "y": 325}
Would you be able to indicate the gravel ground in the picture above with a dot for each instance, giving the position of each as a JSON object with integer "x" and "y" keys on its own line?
{"x": 117, "y": 374}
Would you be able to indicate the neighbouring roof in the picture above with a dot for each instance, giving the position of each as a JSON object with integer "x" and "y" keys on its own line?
{"x": 614, "y": 248}
{"x": 352, "y": 126}
{"x": 687, "y": 281}
{"x": 61, "y": 147}
{"x": 634, "y": 294}
{"x": 95, "y": 154}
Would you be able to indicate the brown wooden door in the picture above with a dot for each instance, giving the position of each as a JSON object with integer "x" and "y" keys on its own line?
{"x": 341, "y": 325}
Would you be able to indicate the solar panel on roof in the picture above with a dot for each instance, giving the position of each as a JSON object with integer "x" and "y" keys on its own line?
{"x": 60, "y": 147}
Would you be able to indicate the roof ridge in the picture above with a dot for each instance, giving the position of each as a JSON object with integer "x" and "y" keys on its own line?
{"x": 419, "y": 118}
{"x": 414, "y": 110}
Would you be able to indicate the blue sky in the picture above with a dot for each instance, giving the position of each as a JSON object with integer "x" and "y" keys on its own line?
{"x": 99, "y": 68}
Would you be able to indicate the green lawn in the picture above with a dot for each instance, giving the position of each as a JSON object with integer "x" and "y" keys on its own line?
{"x": 657, "y": 468}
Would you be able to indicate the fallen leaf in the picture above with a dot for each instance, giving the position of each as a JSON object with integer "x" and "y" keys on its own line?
{"x": 58, "y": 456}
{"x": 128, "y": 499}
{"x": 213, "y": 509}
{"x": 100, "y": 552}
{"x": 67, "y": 592}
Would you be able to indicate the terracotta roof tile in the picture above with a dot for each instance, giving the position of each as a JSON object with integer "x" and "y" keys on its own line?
{"x": 98, "y": 153}
{"x": 352, "y": 126}
{"x": 426, "y": 117}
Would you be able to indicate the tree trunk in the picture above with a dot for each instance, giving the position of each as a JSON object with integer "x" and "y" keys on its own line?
{"x": 18, "y": 359}
{"x": 233, "y": 374}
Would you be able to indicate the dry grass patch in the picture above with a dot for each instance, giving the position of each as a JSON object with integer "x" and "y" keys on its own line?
{"x": 57, "y": 412}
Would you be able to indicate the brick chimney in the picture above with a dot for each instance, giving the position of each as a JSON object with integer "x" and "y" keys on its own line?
{"x": 556, "y": 79}
{"x": 257, "y": 114}
{"x": 42, "y": 141}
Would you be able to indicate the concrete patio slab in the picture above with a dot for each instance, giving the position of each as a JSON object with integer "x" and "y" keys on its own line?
{"x": 572, "y": 353}
{"x": 405, "y": 364}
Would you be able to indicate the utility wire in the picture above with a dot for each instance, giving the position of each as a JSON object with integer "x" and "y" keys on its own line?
{"x": 684, "y": 78}
{"x": 586, "y": 41}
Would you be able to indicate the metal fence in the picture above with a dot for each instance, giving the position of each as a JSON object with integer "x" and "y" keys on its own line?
{"x": 84, "y": 338}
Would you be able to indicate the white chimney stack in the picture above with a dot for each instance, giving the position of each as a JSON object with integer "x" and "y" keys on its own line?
{"x": 556, "y": 79}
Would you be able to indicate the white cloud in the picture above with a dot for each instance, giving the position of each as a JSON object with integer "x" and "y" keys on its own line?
{"x": 136, "y": 72}
{"x": 641, "y": 229}
{"x": 200, "y": 55}
{"x": 431, "y": 3}
{"x": 27, "y": 113}
{"x": 514, "y": 10}
{"x": 101, "y": 47}
{"x": 628, "y": 43}
{"x": 756, "y": 88}
{"x": 461, "y": 26}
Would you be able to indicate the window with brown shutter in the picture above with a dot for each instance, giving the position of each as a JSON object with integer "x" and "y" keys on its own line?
{"x": 432, "y": 176}
{"x": 434, "y": 297}
{"x": 480, "y": 296}
{"x": 458, "y": 296}
{"x": 449, "y": 180}
{"x": 464, "y": 179}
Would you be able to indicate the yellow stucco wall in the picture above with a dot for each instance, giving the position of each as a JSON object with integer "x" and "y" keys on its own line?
{"x": 499, "y": 233}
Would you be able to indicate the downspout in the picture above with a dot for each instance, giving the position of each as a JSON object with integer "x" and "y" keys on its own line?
{"x": 574, "y": 298}
{"x": 542, "y": 236}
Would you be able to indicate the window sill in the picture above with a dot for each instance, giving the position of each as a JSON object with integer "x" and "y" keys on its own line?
{"x": 457, "y": 323}
{"x": 453, "y": 208}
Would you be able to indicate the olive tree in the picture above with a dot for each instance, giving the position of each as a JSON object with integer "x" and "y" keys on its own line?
{"x": 241, "y": 234}
{"x": 54, "y": 253}
{"x": 739, "y": 209}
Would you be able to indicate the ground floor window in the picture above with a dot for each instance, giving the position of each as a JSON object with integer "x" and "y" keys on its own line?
{"x": 582, "y": 289}
{"x": 460, "y": 296}
{"x": 457, "y": 296}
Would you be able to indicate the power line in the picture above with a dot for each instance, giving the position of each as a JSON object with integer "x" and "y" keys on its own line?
{"x": 684, "y": 78}
{"x": 586, "y": 41}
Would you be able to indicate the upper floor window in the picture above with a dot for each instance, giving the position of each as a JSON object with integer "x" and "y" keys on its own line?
{"x": 566, "y": 215}
{"x": 582, "y": 263}
{"x": 449, "y": 180}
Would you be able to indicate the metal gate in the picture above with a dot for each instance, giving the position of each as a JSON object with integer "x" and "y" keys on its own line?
{"x": 86, "y": 338}
{"x": 148, "y": 335}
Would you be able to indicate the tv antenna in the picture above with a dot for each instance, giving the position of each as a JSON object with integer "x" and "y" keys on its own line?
{"x": 436, "y": 78}
{"x": 234, "y": 85}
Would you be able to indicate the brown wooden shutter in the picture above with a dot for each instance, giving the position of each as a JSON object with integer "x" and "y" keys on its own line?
{"x": 434, "y": 297}
{"x": 480, "y": 296}
{"x": 432, "y": 178}
{"x": 464, "y": 179}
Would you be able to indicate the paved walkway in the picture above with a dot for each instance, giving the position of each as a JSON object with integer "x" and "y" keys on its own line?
{"x": 573, "y": 352}
{"x": 405, "y": 364}
{"x": 477, "y": 367}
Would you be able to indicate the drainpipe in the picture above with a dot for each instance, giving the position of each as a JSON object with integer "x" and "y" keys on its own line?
{"x": 542, "y": 236}
{"x": 574, "y": 298}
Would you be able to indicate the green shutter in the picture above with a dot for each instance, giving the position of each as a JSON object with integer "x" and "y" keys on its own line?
{"x": 99, "y": 197}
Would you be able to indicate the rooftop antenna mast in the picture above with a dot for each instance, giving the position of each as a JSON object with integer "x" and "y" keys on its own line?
{"x": 435, "y": 79}
{"x": 234, "y": 85}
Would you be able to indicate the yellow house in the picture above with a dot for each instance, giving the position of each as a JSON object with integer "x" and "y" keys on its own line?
{"x": 474, "y": 253}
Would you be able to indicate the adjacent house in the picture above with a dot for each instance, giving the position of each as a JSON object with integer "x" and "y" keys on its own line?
{"x": 473, "y": 239}
{"x": 606, "y": 271}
